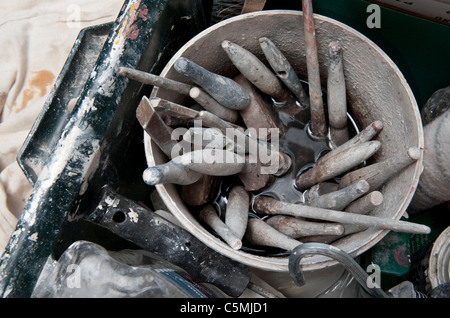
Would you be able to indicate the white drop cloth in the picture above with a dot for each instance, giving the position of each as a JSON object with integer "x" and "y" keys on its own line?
{"x": 36, "y": 37}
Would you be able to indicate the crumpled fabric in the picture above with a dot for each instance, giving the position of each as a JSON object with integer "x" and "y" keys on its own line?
{"x": 36, "y": 38}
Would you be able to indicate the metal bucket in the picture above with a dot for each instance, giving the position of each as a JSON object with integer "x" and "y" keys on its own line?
{"x": 376, "y": 90}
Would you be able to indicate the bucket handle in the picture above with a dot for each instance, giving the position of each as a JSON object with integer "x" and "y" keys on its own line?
{"x": 335, "y": 253}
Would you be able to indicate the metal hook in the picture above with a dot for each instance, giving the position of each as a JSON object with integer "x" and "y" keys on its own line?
{"x": 335, "y": 253}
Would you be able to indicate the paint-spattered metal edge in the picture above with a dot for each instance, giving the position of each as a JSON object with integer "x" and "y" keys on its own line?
{"x": 56, "y": 112}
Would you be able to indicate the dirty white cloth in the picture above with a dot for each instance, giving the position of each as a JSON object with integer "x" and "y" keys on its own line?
{"x": 36, "y": 37}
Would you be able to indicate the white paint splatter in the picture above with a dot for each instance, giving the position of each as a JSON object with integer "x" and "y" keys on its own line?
{"x": 65, "y": 151}
{"x": 107, "y": 79}
{"x": 33, "y": 237}
{"x": 112, "y": 202}
{"x": 134, "y": 217}
{"x": 109, "y": 201}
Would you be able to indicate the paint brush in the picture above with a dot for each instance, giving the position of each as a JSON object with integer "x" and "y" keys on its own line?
{"x": 272, "y": 206}
{"x": 154, "y": 80}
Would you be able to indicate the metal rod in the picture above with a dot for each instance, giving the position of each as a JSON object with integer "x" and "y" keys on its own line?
{"x": 318, "y": 120}
{"x": 272, "y": 206}
{"x": 348, "y": 229}
{"x": 168, "y": 108}
{"x": 364, "y": 135}
{"x": 154, "y": 80}
{"x": 165, "y": 107}
{"x": 210, "y": 120}
{"x": 262, "y": 288}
